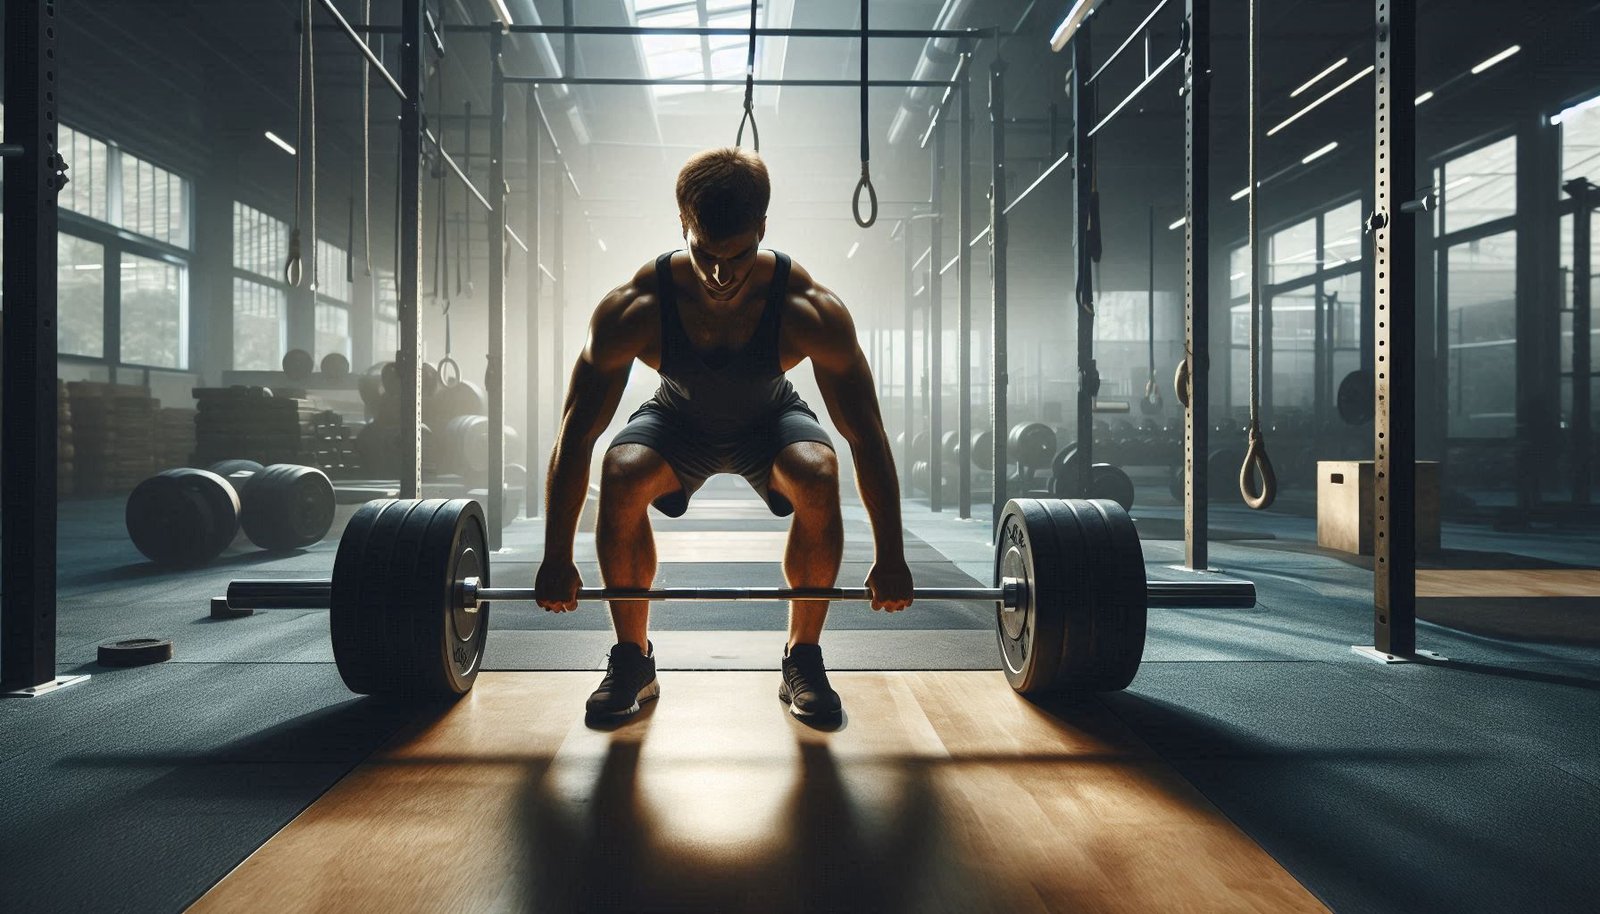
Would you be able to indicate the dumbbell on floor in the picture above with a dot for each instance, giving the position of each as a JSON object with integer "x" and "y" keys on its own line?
{"x": 188, "y": 516}
{"x": 410, "y": 595}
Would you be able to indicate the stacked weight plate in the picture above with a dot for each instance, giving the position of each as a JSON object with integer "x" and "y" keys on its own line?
{"x": 174, "y": 436}
{"x": 250, "y": 422}
{"x": 333, "y": 445}
{"x": 113, "y": 429}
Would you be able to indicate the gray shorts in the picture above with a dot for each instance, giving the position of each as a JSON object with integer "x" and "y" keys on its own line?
{"x": 695, "y": 456}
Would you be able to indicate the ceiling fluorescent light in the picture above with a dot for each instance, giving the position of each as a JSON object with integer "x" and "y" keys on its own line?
{"x": 1425, "y": 97}
{"x": 505, "y": 14}
{"x": 601, "y": 242}
{"x": 1313, "y": 80}
{"x": 278, "y": 142}
{"x": 1324, "y": 97}
{"x": 1240, "y": 194}
{"x": 852, "y": 252}
{"x": 1572, "y": 109}
{"x": 1496, "y": 59}
{"x": 1178, "y": 224}
{"x": 1319, "y": 153}
{"x": 1080, "y": 11}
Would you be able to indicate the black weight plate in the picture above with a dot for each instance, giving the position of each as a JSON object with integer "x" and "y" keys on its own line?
{"x": 950, "y": 446}
{"x": 286, "y": 507}
{"x": 182, "y": 517}
{"x": 983, "y": 450}
{"x": 1109, "y": 481}
{"x": 1105, "y": 636}
{"x": 463, "y": 398}
{"x": 1031, "y": 636}
{"x": 135, "y": 652}
{"x": 1355, "y": 398}
{"x": 1031, "y": 444}
{"x": 230, "y": 467}
{"x": 361, "y": 649}
{"x": 1064, "y": 472}
{"x": 450, "y": 639}
{"x": 298, "y": 364}
{"x": 386, "y": 628}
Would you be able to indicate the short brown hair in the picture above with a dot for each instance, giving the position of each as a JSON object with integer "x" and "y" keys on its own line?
{"x": 722, "y": 192}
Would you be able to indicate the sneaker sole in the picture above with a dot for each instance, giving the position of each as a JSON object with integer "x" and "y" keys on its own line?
{"x": 648, "y": 693}
{"x": 794, "y": 710}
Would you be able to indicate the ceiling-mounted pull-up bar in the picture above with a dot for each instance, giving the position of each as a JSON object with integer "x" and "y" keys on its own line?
{"x": 365, "y": 49}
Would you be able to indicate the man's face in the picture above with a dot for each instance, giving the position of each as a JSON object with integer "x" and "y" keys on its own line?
{"x": 723, "y": 265}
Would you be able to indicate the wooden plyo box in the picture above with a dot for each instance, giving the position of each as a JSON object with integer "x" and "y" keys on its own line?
{"x": 1345, "y": 506}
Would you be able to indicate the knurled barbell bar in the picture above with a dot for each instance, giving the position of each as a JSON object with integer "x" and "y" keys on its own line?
{"x": 410, "y": 594}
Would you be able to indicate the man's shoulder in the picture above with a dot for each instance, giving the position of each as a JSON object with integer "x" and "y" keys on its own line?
{"x": 804, "y": 294}
{"x": 631, "y": 302}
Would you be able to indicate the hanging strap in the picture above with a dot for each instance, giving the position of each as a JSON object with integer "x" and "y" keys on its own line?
{"x": 366, "y": 147}
{"x": 866, "y": 146}
{"x": 1256, "y": 463}
{"x": 750, "y": 87}
{"x": 305, "y": 162}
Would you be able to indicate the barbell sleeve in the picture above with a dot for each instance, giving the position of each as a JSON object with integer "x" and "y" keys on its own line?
{"x": 316, "y": 594}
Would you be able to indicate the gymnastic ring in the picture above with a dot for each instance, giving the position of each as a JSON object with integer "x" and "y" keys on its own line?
{"x": 1152, "y": 393}
{"x": 1255, "y": 458}
{"x": 293, "y": 271}
{"x": 872, "y": 195}
{"x": 452, "y": 379}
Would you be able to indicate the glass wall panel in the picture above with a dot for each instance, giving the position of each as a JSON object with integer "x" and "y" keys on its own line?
{"x": 333, "y": 330}
{"x": 81, "y": 296}
{"x": 155, "y": 202}
{"x": 260, "y": 325}
{"x": 1479, "y": 186}
{"x": 155, "y": 325}
{"x": 1480, "y": 276}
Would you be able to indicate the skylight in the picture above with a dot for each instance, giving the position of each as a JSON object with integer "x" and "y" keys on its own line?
{"x": 692, "y": 57}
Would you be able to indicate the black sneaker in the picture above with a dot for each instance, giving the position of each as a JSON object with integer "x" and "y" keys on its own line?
{"x": 805, "y": 686}
{"x": 630, "y": 681}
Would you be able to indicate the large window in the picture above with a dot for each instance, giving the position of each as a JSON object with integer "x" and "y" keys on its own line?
{"x": 1580, "y": 159}
{"x": 333, "y": 301}
{"x": 86, "y": 190}
{"x": 260, "y": 298}
{"x": 1475, "y": 277}
{"x": 1313, "y": 297}
{"x": 155, "y": 202}
{"x": 81, "y": 297}
{"x": 142, "y": 317}
{"x": 385, "y": 316}
{"x": 155, "y": 318}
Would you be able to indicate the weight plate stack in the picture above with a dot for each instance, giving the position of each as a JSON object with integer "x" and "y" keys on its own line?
{"x": 1031, "y": 444}
{"x": 395, "y": 618}
{"x": 286, "y": 507}
{"x": 1081, "y": 624}
{"x": 182, "y": 517}
{"x": 983, "y": 450}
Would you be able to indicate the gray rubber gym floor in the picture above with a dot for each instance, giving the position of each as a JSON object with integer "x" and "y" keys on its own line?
{"x": 1466, "y": 785}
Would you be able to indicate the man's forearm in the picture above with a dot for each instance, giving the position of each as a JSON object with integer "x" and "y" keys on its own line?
{"x": 566, "y": 489}
{"x": 880, "y": 492}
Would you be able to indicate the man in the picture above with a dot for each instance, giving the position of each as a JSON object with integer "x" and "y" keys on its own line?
{"x": 721, "y": 321}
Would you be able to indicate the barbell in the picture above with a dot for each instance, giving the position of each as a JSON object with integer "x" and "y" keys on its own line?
{"x": 410, "y": 596}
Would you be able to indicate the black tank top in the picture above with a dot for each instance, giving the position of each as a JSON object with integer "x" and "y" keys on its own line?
{"x": 737, "y": 392}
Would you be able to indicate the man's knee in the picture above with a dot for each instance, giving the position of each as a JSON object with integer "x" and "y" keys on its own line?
{"x": 632, "y": 474}
{"x": 811, "y": 472}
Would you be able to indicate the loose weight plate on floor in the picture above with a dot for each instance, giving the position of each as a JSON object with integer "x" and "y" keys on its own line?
{"x": 287, "y": 506}
{"x": 182, "y": 517}
{"x": 398, "y": 626}
{"x": 1082, "y": 626}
